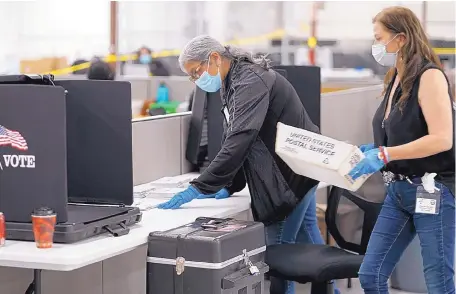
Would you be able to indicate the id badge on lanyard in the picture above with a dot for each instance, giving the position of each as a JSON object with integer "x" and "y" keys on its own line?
{"x": 426, "y": 202}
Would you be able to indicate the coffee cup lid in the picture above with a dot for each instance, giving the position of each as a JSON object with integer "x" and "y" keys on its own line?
{"x": 43, "y": 211}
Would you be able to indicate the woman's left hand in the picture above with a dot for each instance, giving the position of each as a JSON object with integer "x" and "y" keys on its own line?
{"x": 222, "y": 194}
{"x": 370, "y": 164}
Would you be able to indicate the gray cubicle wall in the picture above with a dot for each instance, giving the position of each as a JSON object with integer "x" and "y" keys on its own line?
{"x": 139, "y": 86}
{"x": 159, "y": 144}
{"x": 350, "y": 84}
{"x": 347, "y": 115}
{"x": 146, "y": 88}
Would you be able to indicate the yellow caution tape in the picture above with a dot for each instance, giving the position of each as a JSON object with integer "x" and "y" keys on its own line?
{"x": 312, "y": 42}
{"x": 166, "y": 53}
{"x": 445, "y": 51}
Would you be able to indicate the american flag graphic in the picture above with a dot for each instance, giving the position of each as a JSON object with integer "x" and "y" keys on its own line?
{"x": 12, "y": 138}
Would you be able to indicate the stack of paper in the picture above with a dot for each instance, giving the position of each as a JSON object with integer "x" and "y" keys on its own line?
{"x": 165, "y": 187}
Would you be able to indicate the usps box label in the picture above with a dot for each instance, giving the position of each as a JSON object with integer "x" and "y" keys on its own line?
{"x": 318, "y": 157}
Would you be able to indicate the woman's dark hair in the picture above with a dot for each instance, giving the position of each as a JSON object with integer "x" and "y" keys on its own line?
{"x": 416, "y": 50}
{"x": 100, "y": 70}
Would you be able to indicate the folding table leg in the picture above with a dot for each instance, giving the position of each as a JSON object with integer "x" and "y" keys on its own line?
{"x": 30, "y": 289}
{"x": 35, "y": 286}
{"x": 37, "y": 280}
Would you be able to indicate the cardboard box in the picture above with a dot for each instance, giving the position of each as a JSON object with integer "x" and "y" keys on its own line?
{"x": 319, "y": 157}
{"x": 43, "y": 65}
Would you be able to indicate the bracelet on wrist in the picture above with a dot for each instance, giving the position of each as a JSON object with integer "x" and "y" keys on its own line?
{"x": 384, "y": 155}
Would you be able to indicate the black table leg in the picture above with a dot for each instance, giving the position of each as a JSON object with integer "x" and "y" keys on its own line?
{"x": 35, "y": 286}
{"x": 30, "y": 289}
{"x": 37, "y": 280}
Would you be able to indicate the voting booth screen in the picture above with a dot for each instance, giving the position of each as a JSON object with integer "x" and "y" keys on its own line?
{"x": 99, "y": 141}
{"x": 33, "y": 169}
{"x": 196, "y": 126}
{"x": 307, "y": 82}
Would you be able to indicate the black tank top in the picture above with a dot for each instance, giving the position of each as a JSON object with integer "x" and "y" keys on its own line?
{"x": 407, "y": 126}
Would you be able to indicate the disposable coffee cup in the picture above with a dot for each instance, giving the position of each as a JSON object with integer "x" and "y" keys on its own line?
{"x": 43, "y": 221}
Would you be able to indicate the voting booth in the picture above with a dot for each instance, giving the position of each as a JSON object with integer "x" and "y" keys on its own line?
{"x": 32, "y": 151}
{"x": 68, "y": 147}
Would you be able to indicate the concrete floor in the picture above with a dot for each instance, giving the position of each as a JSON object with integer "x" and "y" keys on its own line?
{"x": 356, "y": 288}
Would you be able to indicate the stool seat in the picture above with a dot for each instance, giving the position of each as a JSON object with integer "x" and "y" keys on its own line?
{"x": 310, "y": 263}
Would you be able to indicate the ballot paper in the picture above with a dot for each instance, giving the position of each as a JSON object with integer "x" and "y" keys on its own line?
{"x": 165, "y": 187}
{"x": 149, "y": 191}
{"x": 146, "y": 204}
{"x": 164, "y": 192}
{"x": 181, "y": 181}
{"x": 319, "y": 157}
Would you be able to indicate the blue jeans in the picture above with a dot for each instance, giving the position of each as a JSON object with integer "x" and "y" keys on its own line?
{"x": 397, "y": 226}
{"x": 300, "y": 227}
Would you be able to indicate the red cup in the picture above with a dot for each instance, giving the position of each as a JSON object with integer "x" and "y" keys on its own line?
{"x": 43, "y": 221}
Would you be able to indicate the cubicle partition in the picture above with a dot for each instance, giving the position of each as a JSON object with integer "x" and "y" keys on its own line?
{"x": 339, "y": 85}
{"x": 159, "y": 144}
{"x": 347, "y": 115}
{"x": 143, "y": 88}
{"x": 139, "y": 87}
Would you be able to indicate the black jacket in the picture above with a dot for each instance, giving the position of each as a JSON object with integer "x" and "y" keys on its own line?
{"x": 256, "y": 100}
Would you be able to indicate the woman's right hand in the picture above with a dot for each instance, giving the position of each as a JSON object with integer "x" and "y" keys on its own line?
{"x": 366, "y": 147}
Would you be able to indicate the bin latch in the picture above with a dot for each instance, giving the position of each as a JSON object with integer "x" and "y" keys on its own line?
{"x": 180, "y": 265}
{"x": 248, "y": 263}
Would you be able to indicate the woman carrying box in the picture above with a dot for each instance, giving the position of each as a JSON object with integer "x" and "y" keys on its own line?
{"x": 413, "y": 142}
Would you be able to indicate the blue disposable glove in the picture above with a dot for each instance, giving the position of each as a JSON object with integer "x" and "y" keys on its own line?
{"x": 180, "y": 198}
{"x": 222, "y": 194}
{"x": 369, "y": 165}
{"x": 366, "y": 147}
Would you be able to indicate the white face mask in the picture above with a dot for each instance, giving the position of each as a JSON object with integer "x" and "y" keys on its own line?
{"x": 382, "y": 57}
